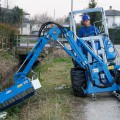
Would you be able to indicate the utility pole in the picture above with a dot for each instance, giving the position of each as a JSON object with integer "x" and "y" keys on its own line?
{"x": 0, "y": 3}
{"x": 54, "y": 14}
{"x": 7, "y": 4}
{"x": 71, "y": 5}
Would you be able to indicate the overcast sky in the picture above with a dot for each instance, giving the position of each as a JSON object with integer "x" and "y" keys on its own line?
{"x": 62, "y": 7}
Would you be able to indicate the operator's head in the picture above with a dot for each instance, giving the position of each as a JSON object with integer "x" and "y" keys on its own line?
{"x": 86, "y": 20}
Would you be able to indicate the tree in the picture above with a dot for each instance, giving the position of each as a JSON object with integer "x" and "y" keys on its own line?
{"x": 95, "y": 16}
{"x": 38, "y": 20}
{"x": 42, "y": 18}
{"x": 12, "y": 17}
{"x": 92, "y": 4}
{"x": 2, "y": 15}
{"x": 67, "y": 20}
{"x": 61, "y": 20}
{"x": 17, "y": 16}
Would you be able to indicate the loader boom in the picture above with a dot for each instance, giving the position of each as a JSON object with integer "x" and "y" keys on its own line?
{"x": 23, "y": 87}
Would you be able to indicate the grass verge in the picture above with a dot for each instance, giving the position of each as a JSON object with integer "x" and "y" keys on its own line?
{"x": 51, "y": 102}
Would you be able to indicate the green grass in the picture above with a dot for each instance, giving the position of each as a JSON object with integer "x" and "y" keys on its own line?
{"x": 49, "y": 103}
{"x": 7, "y": 61}
{"x": 5, "y": 55}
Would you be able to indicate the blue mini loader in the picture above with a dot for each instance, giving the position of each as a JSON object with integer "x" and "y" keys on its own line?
{"x": 95, "y": 69}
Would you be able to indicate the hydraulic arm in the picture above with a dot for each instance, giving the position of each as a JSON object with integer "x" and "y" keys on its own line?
{"x": 23, "y": 87}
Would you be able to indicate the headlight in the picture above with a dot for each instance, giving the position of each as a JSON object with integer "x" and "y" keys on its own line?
{"x": 111, "y": 49}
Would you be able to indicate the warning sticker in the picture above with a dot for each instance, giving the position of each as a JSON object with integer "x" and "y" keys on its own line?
{"x": 110, "y": 67}
{"x": 95, "y": 70}
{"x": 20, "y": 85}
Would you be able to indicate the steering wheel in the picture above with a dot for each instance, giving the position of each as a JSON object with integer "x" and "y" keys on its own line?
{"x": 92, "y": 32}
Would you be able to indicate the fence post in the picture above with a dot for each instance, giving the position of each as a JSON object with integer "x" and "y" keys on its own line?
{"x": 2, "y": 43}
{"x": 6, "y": 43}
{"x": 17, "y": 44}
{"x": 27, "y": 44}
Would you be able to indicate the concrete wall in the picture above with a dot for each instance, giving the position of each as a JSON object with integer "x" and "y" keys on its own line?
{"x": 25, "y": 29}
{"x": 113, "y": 21}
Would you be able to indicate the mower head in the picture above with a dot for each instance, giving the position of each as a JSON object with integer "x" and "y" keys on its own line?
{"x": 15, "y": 94}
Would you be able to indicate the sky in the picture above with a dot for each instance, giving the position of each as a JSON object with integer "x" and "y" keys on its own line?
{"x": 61, "y": 7}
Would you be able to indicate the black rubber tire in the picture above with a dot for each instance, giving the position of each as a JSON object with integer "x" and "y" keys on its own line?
{"x": 118, "y": 91}
{"x": 118, "y": 77}
{"x": 75, "y": 63}
{"x": 78, "y": 81}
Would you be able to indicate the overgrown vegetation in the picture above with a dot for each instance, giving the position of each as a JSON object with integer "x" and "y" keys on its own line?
{"x": 50, "y": 102}
{"x": 8, "y": 35}
{"x": 10, "y": 21}
{"x": 115, "y": 35}
{"x": 95, "y": 16}
{"x": 12, "y": 16}
{"x": 6, "y": 61}
{"x": 8, "y": 65}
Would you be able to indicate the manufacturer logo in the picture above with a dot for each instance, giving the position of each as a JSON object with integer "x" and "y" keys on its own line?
{"x": 9, "y": 91}
{"x": 19, "y": 86}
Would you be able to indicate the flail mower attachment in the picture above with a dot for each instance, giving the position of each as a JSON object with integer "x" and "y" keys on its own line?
{"x": 15, "y": 94}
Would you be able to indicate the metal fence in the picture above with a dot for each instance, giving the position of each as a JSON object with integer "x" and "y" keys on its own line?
{"x": 24, "y": 43}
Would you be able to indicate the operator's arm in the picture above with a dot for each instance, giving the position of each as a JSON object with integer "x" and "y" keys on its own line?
{"x": 80, "y": 32}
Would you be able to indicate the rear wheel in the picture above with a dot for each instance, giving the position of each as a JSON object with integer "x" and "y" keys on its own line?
{"x": 118, "y": 77}
{"x": 75, "y": 63}
{"x": 78, "y": 81}
{"x": 118, "y": 91}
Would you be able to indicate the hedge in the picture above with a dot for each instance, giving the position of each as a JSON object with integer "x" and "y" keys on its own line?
{"x": 115, "y": 35}
{"x": 8, "y": 32}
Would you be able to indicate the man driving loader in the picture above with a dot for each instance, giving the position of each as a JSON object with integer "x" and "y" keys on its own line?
{"x": 88, "y": 29}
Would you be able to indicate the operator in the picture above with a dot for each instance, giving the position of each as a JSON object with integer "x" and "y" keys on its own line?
{"x": 88, "y": 29}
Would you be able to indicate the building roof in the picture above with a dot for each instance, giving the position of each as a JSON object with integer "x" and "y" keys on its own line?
{"x": 26, "y": 20}
{"x": 26, "y": 13}
{"x": 112, "y": 13}
{"x": 36, "y": 22}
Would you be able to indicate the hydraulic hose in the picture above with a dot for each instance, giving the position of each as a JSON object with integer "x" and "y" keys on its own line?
{"x": 48, "y": 23}
{"x": 87, "y": 67}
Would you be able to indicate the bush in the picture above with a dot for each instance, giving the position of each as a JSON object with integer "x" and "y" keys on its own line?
{"x": 8, "y": 32}
{"x": 115, "y": 35}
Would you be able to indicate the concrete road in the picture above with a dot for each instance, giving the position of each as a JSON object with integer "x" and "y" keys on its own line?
{"x": 105, "y": 107}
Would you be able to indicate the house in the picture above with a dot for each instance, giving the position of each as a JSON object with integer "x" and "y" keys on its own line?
{"x": 112, "y": 17}
{"x": 25, "y": 27}
{"x": 36, "y": 25}
{"x": 7, "y": 18}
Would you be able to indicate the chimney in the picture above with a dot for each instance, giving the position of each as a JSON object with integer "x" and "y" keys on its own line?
{"x": 110, "y": 8}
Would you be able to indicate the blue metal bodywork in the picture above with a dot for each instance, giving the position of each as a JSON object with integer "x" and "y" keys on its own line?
{"x": 23, "y": 87}
{"x": 108, "y": 44}
{"x": 15, "y": 94}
